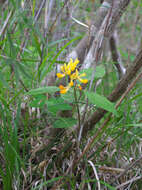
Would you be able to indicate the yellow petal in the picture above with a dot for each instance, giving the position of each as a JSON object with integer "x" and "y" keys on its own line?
{"x": 76, "y": 72}
{"x": 71, "y": 83}
{"x": 70, "y": 62}
{"x": 62, "y": 68}
{"x": 82, "y": 75}
{"x": 68, "y": 71}
{"x": 59, "y": 75}
{"x": 84, "y": 81}
{"x": 73, "y": 67}
{"x": 76, "y": 61}
{"x": 61, "y": 87}
{"x": 63, "y": 91}
{"x": 65, "y": 67}
{"x": 74, "y": 76}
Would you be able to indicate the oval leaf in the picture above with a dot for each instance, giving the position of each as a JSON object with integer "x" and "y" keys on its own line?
{"x": 42, "y": 90}
{"x": 56, "y": 104}
{"x": 101, "y": 101}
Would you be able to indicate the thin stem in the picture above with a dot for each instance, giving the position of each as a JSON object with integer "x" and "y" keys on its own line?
{"x": 78, "y": 112}
{"x": 82, "y": 121}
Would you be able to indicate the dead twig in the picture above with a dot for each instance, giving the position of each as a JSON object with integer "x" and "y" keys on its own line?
{"x": 127, "y": 168}
{"x": 129, "y": 181}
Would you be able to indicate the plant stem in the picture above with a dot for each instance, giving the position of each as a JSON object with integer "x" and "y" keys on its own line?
{"x": 78, "y": 112}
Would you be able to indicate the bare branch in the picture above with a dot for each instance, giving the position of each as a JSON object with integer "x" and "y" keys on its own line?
{"x": 85, "y": 43}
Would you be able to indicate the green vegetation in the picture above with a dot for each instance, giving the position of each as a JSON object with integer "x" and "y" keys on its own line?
{"x": 64, "y": 129}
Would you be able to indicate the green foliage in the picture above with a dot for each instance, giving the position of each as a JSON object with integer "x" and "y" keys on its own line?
{"x": 99, "y": 73}
{"x": 47, "y": 183}
{"x": 64, "y": 122}
{"x": 10, "y": 149}
{"x": 32, "y": 157}
{"x": 101, "y": 101}
{"x": 42, "y": 90}
{"x": 57, "y": 104}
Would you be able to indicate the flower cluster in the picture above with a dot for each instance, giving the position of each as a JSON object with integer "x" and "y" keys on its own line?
{"x": 71, "y": 71}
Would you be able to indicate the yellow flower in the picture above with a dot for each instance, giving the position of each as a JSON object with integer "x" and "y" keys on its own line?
{"x": 60, "y": 75}
{"x": 64, "y": 89}
{"x": 72, "y": 64}
{"x": 76, "y": 76}
{"x": 71, "y": 83}
{"x": 73, "y": 75}
{"x": 66, "y": 69}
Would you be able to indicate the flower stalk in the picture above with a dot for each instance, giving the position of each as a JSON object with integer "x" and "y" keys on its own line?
{"x": 75, "y": 80}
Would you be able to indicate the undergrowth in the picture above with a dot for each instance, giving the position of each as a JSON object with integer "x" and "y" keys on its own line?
{"x": 40, "y": 140}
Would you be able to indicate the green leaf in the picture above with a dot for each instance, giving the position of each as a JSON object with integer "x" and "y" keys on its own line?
{"x": 38, "y": 103}
{"x": 23, "y": 69}
{"x": 34, "y": 4}
{"x": 64, "y": 122}
{"x": 37, "y": 44}
{"x": 56, "y": 42}
{"x": 56, "y": 104}
{"x": 69, "y": 96}
{"x": 42, "y": 90}
{"x": 3, "y": 100}
{"x": 101, "y": 101}
{"x": 3, "y": 81}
